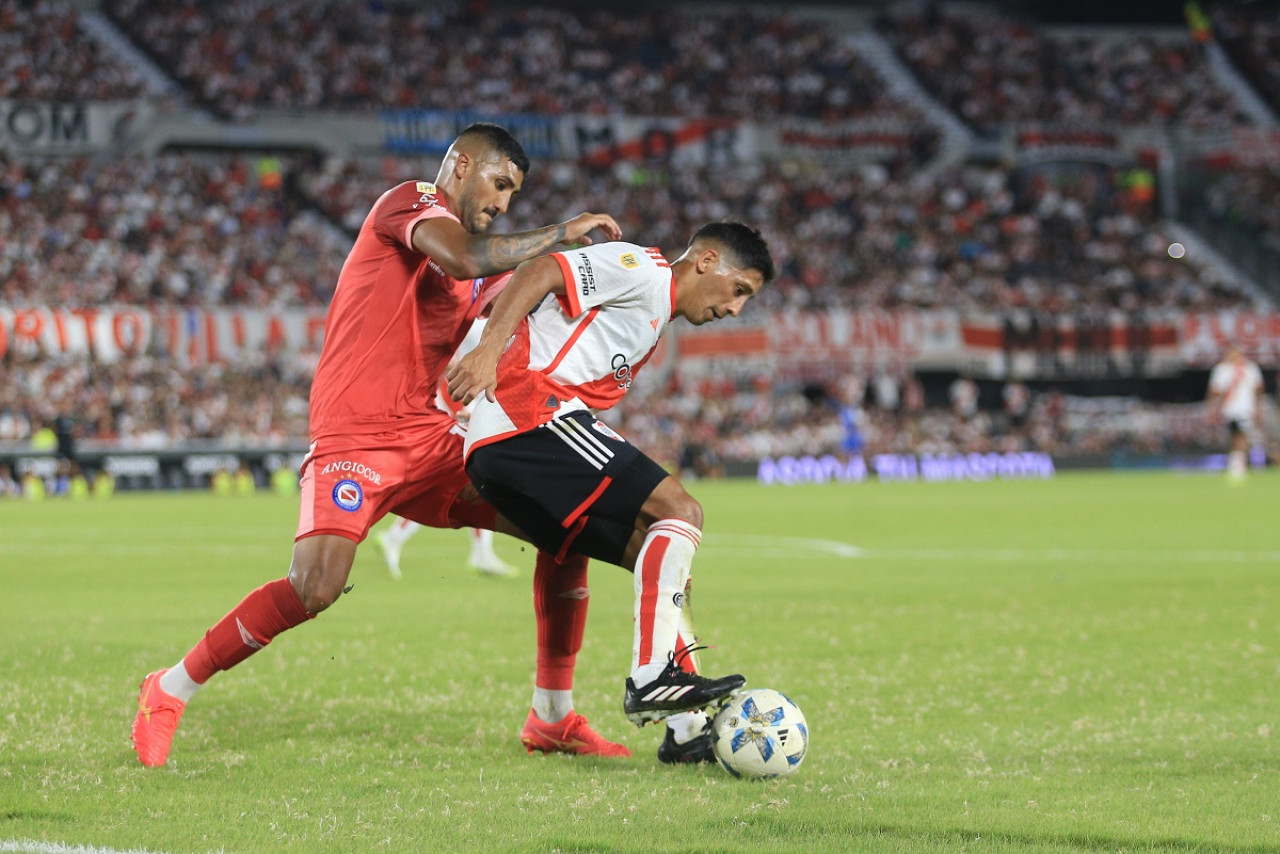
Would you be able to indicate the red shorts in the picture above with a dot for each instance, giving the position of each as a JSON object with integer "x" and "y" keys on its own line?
{"x": 350, "y": 481}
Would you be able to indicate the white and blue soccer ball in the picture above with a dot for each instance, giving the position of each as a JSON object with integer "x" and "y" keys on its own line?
{"x": 760, "y": 733}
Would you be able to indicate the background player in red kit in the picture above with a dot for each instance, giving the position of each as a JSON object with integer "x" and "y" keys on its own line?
{"x": 538, "y": 453}
{"x": 410, "y": 288}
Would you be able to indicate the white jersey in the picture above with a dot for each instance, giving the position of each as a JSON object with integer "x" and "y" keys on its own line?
{"x": 1239, "y": 384}
{"x": 581, "y": 350}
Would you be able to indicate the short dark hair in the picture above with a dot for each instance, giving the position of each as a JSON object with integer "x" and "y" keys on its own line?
{"x": 500, "y": 140}
{"x": 744, "y": 243}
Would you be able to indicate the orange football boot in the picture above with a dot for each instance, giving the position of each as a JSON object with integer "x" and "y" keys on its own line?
{"x": 571, "y": 735}
{"x": 156, "y": 722}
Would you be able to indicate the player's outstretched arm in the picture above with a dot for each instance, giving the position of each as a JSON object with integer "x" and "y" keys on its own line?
{"x": 464, "y": 255}
{"x": 476, "y": 373}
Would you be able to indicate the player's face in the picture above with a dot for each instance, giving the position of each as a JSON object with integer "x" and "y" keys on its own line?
{"x": 722, "y": 293}
{"x": 487, "y": 191}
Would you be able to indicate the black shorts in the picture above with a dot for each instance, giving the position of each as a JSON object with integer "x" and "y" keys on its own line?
{"x": 572, "y": 485}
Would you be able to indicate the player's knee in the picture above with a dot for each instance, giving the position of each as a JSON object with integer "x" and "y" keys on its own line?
{"x": 678, "y": 504}
{"x": 317, "y": 589}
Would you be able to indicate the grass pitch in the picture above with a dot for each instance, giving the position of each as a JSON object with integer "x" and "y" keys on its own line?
{"x": 1083, "y": 664}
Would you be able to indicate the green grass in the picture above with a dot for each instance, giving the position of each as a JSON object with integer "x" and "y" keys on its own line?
{"x": 1084, "y": 664}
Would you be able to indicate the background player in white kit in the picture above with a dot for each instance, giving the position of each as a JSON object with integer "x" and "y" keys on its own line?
{"x": 566, "y": 337}
{"x": 392, "y": 538}
{"x": 1235, "y": 397}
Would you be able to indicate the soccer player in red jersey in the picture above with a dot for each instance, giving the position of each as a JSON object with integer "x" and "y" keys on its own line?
{"x": 421, "y": 270}
{"x": 538, "y": 453}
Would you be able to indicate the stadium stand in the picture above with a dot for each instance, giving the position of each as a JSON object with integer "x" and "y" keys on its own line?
{"x": 1250, "y": 34}
{"x": 1072, "y": 237}
{"x": 45, "y": 55}
{"x": 991, "y": 70}
{"x": 519, "y": 58}
{"x": 178, "y": 229}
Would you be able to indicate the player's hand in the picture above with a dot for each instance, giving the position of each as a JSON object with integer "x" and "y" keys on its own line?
{"x": 576, "y": 229}
{"x": 474, "y": 374}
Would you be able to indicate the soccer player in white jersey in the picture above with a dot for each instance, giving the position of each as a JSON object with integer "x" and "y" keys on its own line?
{"x": 1235, "y": 397}
{"x": 392, "y": 538}
{"x": 567, "y": 337}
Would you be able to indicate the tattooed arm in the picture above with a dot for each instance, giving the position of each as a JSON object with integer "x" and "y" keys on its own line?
{"x": 464, "y": 255}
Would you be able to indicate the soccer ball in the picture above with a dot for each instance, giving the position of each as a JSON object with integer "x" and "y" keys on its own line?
{"x": 760, "y": 733}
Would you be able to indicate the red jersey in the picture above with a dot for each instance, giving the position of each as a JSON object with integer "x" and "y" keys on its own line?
{"x": 395, "y": 320}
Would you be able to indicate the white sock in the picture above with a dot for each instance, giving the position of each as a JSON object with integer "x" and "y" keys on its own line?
{"x": 687, "y": 726}
{"x": 177, "y": 683}
{"x": 661, "y": 572}
{"x": 1236, "y": 462}
{"x": 482, "y": 546}
{"x": 551, "y": 707}
{"x": 401, "y": 530}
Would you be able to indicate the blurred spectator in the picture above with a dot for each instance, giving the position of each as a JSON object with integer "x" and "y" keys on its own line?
{"x": 44, "y": 56}
{"x": 146, "y": 403}
{"x": 1250, "y": 34}
{"x": 170, "y": 230}
{"x": 1244, "y": 198}
{"x": 977, "y": 238}
{"x": 240, "y": 55}
{"x": 9, "y": 486}
{"x": 990, "y": 70}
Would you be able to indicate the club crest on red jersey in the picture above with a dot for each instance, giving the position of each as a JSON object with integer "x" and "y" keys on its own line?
{"x": 348, "y": 495}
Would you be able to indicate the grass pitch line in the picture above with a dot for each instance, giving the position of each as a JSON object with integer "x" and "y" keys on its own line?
{"x": 757, "y": 544}
{"x": 31, "y": 846}
{"x": 780, "y": 546}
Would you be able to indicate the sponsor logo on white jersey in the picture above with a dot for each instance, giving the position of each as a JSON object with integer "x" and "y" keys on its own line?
{"x": 621, "y": 371}
{"x": 352, "y": 467}
{"x": 348, "y": 495}
{"x": 586, "y": 276}
{"x": 628, "y": 260}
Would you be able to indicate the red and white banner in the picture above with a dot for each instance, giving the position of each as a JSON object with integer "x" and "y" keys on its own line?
{"x": 818, "y": 345}
{"x": 104, "y": 334}
{"x": 1204, "y": 337}
{"x": 192, "y": 336}
{"x": 806, "y": 344}
{"x": 821, "y": 345}
{"x": 604, "y": 140}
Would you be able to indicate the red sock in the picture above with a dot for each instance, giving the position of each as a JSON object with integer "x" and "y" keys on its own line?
{"x": 560, "y": 597}
{"x": 247, "y": 628}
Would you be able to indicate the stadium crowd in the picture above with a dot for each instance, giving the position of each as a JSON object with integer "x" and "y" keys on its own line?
{"x": 46, "y": 56}
{"x": 694, "y": 425}
{"x": 171, "y": 230}
{"x": 990, "y": 70}
{"x": 1250, "y": 33}
{"x": 224, "y": 230}
{"x": 1244, "y": 198}
{"x": 241, "y": 55}
{"x": 977, "y": 238}
{"x": 153, "y": 403}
